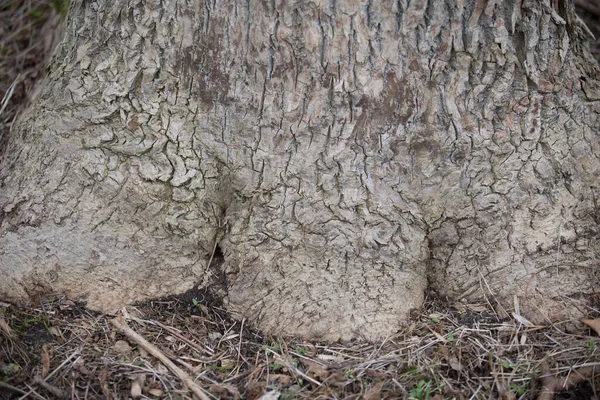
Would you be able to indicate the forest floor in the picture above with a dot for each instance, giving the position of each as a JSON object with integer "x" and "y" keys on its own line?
{"x": 187, "y": 346}
{"x": 171, "y": 348}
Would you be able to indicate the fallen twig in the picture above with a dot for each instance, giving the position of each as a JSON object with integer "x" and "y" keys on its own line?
{"x": 52, "y": 373}
{"x": 56, "y": 392}
{"x": 11, "y": 387}
{"x": 150, "y": 348}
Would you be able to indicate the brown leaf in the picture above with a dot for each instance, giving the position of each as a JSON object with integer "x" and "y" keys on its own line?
{"x": 336, "y": 379}
{"x": 45, "y": 360}
{"x": 437, "y": 335}
{"x": 136, "y": 389}
{"x": 122, "y": 347}
{"x": 315, "y": 370}
{"x": 374, "y": 393}
{"x": 5, "y": 328}
{"x": 79, "y": 365}
{"x": 455, "y": 364}
{"x": 279, "y": 379}
{"x": 593, "y": 323}
{"x": 56, "y": 332}
{"x": 272, "y": 395}
{"x": 155, "y": 392}
{"x": 255, "y": 389}
{"x": 223, "y": 391}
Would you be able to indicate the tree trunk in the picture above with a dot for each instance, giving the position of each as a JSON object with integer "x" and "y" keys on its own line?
{"x": 346, "y": 157}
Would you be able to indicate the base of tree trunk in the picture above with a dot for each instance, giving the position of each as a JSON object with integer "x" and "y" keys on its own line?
{"x": 344, "y": 158}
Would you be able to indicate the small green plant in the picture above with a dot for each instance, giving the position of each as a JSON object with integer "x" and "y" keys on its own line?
{"x": 300, "y": 351}
{"x": 286, "y": 396}
{"x": 275, "y": 367}
{"x": 9, "y": 369}
{"x": 518, "y": 390}
{"x": 198, "y": 305}
{"x": 273, "y": 345}
{"x": 350, "y": 374}
{"x": 450, "y": 337}
{"x": 434, "y": 320}
{"x": 420, "y": 392}
{"x": 411, "y": 371}
{"x": 506, "y": 364}
{"x": 591, "y": 345}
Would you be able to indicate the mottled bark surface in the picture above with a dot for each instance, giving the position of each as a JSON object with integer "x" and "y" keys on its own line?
{"x": 346, "y": 157}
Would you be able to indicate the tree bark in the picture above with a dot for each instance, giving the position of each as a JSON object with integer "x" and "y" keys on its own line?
{"x": 345, "y": 156}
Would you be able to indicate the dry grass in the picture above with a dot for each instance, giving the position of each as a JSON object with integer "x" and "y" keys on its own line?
{"x": 57, "y": 349}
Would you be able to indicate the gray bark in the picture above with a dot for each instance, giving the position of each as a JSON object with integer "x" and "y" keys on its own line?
{"x": 346, "y": 157}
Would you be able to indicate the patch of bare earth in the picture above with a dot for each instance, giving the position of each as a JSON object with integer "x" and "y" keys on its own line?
{"x": 187, "y": 347}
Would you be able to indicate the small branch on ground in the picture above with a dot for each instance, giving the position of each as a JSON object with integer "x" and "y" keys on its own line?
{"x": 150, "y": 348}
{"x": 56, "y": 392}
{"x": 11, "y": 387}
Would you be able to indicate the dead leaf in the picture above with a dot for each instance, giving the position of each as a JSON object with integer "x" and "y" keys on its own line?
{"x": 45, "y": 360}
{"x": 141, "y": 378}
{"x": 374, "y": 393}
{"x": 279, "y": 379}
{"x": 223, "y": 391}
{"x": 315, "y": 370}
{"x": 79, "y": 365}
{"x": 55, "y": 332}
{"x": 5, "y": 328}
{"x": 273, "y": 395}
{"x": 594, "y": 324}
{"x": 254, "y": 390}
{"x": 136, "y": 389}
{"x": 155, "y": 392}
{"x": 437, "y": 335}
{"x": 454, "y": 363}
{"x": 337, "y": 380}
{"x": 229, "y": 362}
{"x": 122, "y": 347}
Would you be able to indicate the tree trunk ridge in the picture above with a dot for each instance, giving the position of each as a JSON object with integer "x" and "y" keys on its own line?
{"x": 345, "y": 157}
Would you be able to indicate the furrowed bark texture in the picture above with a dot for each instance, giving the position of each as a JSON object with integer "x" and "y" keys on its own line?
{"x": 346, "y": 156}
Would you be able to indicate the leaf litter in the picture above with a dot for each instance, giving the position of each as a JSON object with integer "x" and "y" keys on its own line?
{"x": 173, "y": 349}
